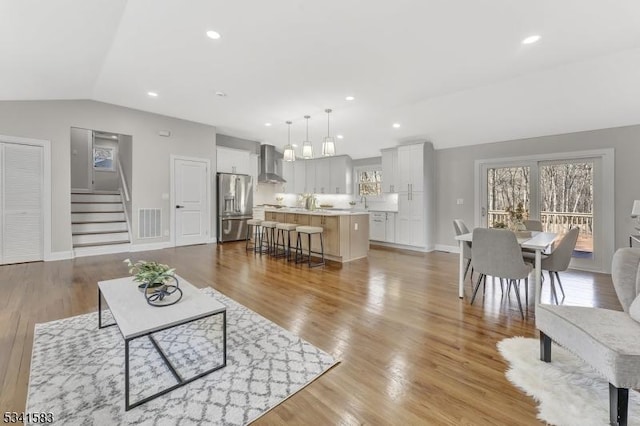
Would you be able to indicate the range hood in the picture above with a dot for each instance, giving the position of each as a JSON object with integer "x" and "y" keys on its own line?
{"x": 268, "y": 173}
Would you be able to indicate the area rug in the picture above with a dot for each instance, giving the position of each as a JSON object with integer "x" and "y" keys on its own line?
{"x": 77, "y": 370}
{"x": 568, "y": 391}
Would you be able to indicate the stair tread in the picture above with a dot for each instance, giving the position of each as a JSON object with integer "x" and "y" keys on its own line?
{"x": 97, "y": 193}
{"x": 100, "y": 232}
{"x": 107, "y": 243}
{"x": 96, "y": 202}
{"x": 98, "y": 221}
{"x": 109, "y": 211}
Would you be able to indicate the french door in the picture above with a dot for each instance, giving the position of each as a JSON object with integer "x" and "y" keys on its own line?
{"x": 561, "y": 194}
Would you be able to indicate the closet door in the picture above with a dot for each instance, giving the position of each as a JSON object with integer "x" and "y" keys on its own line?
{"x": 21, "y": 209}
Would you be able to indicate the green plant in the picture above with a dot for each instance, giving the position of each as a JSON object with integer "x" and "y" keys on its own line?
{"x": 149, "y": 272}
{"x": 500, "y": 225}
{"x": 518, "y": 214}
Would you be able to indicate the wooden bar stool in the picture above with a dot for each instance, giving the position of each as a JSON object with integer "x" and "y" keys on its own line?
{"x": 281, "y": 228}
{"x": 268, "y": 236}
{"x": 309, "y": 231}
{"x": 257, "y": 241}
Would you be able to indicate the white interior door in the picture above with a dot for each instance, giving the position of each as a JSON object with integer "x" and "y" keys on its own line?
{"x": 191, "y": 201}
{"x": 21, "y": 203}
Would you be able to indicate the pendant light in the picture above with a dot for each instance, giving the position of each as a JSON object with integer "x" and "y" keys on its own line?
{"x": 289, "y": 153}
{"x": 329, "y": 144}
{"x": 307, "y": 148}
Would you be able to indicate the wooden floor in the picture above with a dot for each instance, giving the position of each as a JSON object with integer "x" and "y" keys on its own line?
{"x": 411, "y": 352}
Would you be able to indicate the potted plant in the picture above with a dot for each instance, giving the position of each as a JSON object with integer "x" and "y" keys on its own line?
{"x": 151, "y": 275}
{"x": 516, "y": 216}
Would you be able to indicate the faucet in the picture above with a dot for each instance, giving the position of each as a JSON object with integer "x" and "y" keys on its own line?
{"x": 366, "y": 206}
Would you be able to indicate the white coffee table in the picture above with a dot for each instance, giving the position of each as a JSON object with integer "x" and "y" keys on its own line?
{"x": 136, "y": 319}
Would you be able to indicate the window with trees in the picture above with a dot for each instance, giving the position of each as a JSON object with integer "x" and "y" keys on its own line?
{"x": 369, "y": 182}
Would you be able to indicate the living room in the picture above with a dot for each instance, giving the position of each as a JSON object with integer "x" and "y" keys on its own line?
{"x": 402, "y": 346}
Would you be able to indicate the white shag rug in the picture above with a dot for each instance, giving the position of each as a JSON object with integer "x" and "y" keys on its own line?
{"x": 568, "y": 391}
{"x": 77, "y": 370}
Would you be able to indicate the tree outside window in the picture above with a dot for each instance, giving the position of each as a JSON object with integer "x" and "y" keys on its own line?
{"x": 369, "y": 183}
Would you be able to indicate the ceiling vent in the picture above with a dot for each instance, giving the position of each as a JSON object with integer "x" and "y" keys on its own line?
{"x": 268, "y": 172}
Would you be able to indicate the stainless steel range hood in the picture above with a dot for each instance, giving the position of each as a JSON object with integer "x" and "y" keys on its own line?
{"x": 268, "y": 171}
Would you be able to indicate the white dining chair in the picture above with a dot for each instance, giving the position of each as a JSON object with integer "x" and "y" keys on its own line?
{"x": 496, "y": 252}
{"x": 461, "y": 229}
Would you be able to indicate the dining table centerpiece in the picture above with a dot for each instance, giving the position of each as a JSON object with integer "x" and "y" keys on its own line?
{"x": 157, "y": 282}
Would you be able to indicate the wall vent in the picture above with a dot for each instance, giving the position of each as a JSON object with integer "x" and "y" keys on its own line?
{"x": 149, "y": 223}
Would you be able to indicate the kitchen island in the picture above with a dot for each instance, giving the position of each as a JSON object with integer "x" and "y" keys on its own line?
{"x": 346, "y": 232}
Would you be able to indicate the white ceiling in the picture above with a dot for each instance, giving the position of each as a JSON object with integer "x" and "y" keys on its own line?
{"x": 450, "y": 71}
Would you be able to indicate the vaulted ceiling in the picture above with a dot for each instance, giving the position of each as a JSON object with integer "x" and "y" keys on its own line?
{"x": 450, "y": 71}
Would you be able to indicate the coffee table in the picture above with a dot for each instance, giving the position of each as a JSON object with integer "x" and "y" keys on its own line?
{"x": 137, "y": 319}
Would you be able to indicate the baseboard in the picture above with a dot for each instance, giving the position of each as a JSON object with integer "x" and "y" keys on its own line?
{"x": 59, "y": 255}
{"x": 401, "y": 246}
{"x": 150, "y": 246}
{"x": 450, "y": 249}
{"x": 212, "y": 241}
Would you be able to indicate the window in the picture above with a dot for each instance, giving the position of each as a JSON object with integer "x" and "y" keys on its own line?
{"x": 369, "y": 182}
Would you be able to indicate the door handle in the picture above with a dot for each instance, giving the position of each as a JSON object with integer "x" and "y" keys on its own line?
{"x": 179, "y": 207}
{"x": 484, "y": 212}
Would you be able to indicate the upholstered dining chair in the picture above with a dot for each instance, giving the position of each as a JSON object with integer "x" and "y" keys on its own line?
{"x": 558, "y": 260}
{"x": 496, "y": 252}
{"x": 461, "y": 229}
{"x": 532, "y": 225}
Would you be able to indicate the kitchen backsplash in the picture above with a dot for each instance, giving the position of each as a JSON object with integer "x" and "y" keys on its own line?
{"x": 386, "y": 202}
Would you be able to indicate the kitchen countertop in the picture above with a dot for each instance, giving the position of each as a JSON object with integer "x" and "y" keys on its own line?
{"x": 317, "y": 212}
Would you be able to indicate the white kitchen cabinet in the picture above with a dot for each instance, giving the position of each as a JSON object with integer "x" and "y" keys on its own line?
{"x": 377, "y": 226}
{"x": 299, "y": 177}
{"x": 390, "y": 225}
{"x": 288, "y": 174}
{"x": 230, "y": 160}
{"x": 310, "y": 176}
{"x": 341, "y": 175}
{"x": 411, "y": 219}
{"x": 389, "y": 170}
{"x": 322, "y": 176}
{"x": 255, "y": 170}
{"x": 410, "y": 168}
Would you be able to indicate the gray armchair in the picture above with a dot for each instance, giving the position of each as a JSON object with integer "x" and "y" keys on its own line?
{"x": 608, "y": 340}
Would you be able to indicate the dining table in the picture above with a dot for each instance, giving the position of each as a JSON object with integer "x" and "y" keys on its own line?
{"x": 538, "y": 241}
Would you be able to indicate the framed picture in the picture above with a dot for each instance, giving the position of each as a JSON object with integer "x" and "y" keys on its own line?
{"x": 103, "y": 159}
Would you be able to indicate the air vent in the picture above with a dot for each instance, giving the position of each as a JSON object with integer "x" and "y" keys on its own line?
{"x": 149, "y": 223}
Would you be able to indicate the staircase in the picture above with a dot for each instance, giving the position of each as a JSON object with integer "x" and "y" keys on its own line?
{"x": 98, "y": 223}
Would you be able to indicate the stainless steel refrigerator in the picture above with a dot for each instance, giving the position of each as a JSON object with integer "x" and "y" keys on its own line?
{"x": 235, "y": 206}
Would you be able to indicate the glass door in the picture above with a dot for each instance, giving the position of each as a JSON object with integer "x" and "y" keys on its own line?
{"x": 561, "y": 194}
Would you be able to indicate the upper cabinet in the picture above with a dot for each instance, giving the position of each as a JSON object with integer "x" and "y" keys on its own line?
{"x": 389, "y": 170}
{"x": 330, "y": 175}
{"x": 230, "y": 160}
{"x": 410, "y": 166}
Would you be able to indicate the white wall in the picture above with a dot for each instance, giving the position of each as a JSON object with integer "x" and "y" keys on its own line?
{"x": 80, "y": 152}
{"x": 53, "y": 120}
{"x": 455, "y": 174}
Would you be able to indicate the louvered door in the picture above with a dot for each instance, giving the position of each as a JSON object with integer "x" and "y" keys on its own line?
{"x": 21, "y": 209}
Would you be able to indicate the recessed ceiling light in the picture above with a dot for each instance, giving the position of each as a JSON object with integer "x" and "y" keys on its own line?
{"x": 267, "y": 124}
{"x": 531, "y": 39}
{"x": 213, "y": 35}
{"x": 114, "y": 137}
{"x": 349, "y": 98}
{"x": 152, "y": 94}
{"x": 294, "y": 145}
{"x": 221, "y": 94}
{"x": 339, "y": 136}
{"x": 396, "y": 125}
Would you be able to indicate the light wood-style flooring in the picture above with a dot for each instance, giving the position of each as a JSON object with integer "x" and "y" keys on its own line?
{"x": 411, "y": 351}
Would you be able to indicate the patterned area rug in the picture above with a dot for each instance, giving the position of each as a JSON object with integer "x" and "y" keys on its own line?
{"x": 77, "y": 370}
{"x": 568, "y": 391}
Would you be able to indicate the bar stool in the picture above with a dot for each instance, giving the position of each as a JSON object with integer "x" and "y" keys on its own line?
{"x": 257, "y": 242}
{"x": 281, "y": 228}
{"x": 268, "y": 235}
{"x": 309, "y": 231}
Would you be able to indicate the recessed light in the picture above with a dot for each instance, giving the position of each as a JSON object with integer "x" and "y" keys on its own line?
{"x": 294, "y": 145}
{"x": 531, "y": 39}
{"x": 114, "y": 137}
{"x": 349, "y": 98}
{"x": 267, "y": 124}
{"x": 221, "y": 94}
{"x": 396, "y": 125}
{"x": 214, "y": 35}
{"x": 339, "y": 136}
{"x": 152, "y": 94}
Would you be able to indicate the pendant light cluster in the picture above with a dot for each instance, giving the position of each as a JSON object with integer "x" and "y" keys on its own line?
{"x": 328, "y": 144}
